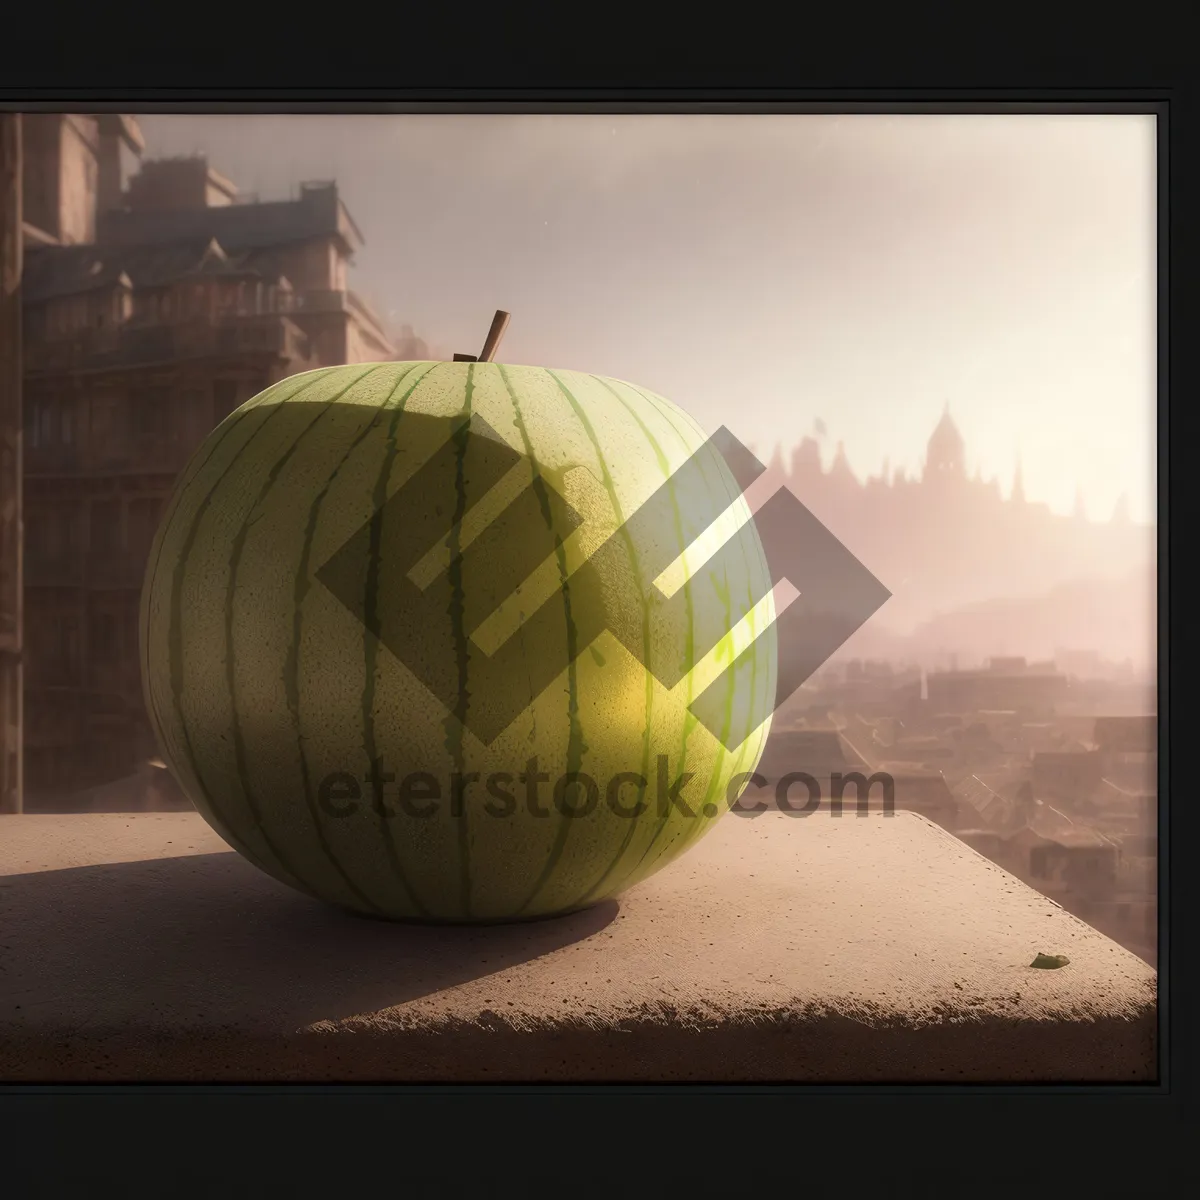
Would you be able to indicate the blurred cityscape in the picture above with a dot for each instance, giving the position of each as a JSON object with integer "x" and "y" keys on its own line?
{"x": 1049, "y": 773}
{"x": 1008, "y": 688}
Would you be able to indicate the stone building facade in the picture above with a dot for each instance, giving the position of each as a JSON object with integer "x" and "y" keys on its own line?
{"x": 12, "y": 591}
{"x": 152, "y": 307}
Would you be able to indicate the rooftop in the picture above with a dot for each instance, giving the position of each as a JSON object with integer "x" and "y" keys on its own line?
{"x": 1072, "y": 837}
{"x": 50, "y": 272}
{"x": 317, "y": 212}
{"x": 808, "y": 748}
{"x": 983, "y": 799}
{"x": 1125, "y": 734}
{"x": 1037, "y": 671}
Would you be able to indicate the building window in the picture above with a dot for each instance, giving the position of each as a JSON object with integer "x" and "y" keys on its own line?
{"x": 72, "y": 520}
{"x": 102, "y": 639}
{"x": 149, "y": 411}
{"x": 132, "y": 624}
{"x": 39, "y": 537}
{"x": 106, "y": 527}
{"x": 103, "y": 408}
{"x": 35, "y": 323}
{"x": 64, "y": 645}
{"x": 225, "y": 398}
{"x": 51, "y": 535}
{"x": 194, "y": 406}
{"x": 43, "y": 424}
{"x": 231, "y": 298}
{"x": 144, "y": 513}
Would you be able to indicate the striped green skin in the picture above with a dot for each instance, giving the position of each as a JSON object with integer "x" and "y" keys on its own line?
{"x": 260, "y": 684}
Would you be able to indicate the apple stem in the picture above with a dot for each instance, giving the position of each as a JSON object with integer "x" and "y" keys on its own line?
{"x": 499, "y": 325}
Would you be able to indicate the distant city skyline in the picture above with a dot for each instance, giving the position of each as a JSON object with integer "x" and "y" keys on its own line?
{"x": 769, "y": 272}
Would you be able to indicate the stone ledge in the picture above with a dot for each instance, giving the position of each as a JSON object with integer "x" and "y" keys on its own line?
{"x": 137, "y": 947}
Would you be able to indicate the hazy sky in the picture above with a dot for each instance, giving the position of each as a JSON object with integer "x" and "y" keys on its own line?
{"x": 765, "y": 271}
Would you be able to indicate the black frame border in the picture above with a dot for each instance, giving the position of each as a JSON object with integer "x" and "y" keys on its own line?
{"x": 964, "y": 1136}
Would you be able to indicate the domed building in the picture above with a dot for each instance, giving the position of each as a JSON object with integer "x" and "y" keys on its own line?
{"x": 945, "y": 455}
{"x": 946, "y": 537}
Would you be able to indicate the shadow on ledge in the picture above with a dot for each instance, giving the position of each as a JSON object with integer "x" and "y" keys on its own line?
{"x": 207, "y": 941}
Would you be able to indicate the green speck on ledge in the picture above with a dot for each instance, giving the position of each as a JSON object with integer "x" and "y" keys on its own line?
{"x": 1050, "y": 962}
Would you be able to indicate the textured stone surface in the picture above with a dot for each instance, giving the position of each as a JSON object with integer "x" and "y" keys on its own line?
{"x": 137, "y": 947}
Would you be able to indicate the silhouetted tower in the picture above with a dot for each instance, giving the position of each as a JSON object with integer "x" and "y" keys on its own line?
{"x": 946, "y": 451}
{"x": 839, "y": 469}
{"x": 806, "y": 460}
{"x": 1018, "y": 487}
